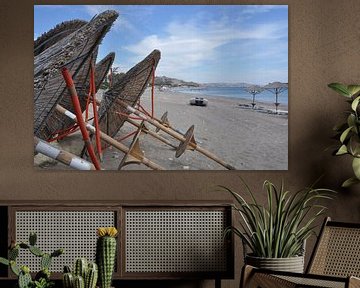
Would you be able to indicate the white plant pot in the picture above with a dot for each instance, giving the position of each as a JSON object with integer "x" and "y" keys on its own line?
{"x": 291, "y": 264}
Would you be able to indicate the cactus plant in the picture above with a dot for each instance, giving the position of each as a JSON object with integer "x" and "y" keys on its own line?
{"x": 68, "y": 280}
{"x": 80, "y": 268}
{"x": 84, "y": 274}
{"x": 42, "y": 278}
{"x": 105, "y": 254}
{"x": 91, "y": 276}
{"x": 79, "y": 282}
{"x": 43, "y": 274}
{"x": 36, "y": 251}
{"x": 45, "y": 261}
{"x": 13, "y": 253}
{"x": 32, "y": 238}
{"x": 24, "y": 280}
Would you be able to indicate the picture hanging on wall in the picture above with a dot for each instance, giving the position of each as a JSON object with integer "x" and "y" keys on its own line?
{"x": 161, "y": 87}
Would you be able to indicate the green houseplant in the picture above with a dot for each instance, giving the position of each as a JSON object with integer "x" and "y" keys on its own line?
{"x": 348, "y": 132}
{"x": 275, "y": 233}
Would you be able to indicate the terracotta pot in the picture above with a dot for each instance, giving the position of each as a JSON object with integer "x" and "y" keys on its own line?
{"x": 291, "y": 264}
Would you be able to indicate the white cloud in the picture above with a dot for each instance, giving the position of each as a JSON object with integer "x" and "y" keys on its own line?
{"x": 187, "y": 46}
{"x": 120, "y": 22}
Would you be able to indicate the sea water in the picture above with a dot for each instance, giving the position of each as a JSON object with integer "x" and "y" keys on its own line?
{"x": 235, "y": 92}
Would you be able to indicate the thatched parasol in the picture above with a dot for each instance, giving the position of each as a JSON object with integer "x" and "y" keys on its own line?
{"x": 102, "y": 68}
{"x": 74, "y": 51}
{"x": 54, "y": 35}
{"x": 276, "y": 88}
{"x": 128, "y": 89}
{"x": 58, "y": 121}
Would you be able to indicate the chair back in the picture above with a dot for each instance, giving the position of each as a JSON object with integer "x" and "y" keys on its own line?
{"x": 337, "y": 251}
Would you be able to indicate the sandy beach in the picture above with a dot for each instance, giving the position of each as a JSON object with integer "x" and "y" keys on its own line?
{"x": 246, "y": 138}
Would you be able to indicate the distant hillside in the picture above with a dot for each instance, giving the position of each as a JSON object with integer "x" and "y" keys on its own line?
{"x": 220, "y": 84}
{"x": 172, "y": 82}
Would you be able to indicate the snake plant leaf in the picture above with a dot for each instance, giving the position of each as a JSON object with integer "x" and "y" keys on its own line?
{"x": 345, "y": 134}
{"x": 349, "y": 182}
{"x": 340, "y": 88}
{"x": 342, "y": 150}
{"x": 355, "y": 103}
{"x": 353, "y": 89}
{"x": 278, "y": 228}
{"x": 356, "y": 167}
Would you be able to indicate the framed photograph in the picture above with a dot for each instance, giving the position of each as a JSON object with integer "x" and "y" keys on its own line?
{"x": 161, "y": 87}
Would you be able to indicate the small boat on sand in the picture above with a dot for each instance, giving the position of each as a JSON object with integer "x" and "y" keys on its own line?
{"x": 198, "y": 101}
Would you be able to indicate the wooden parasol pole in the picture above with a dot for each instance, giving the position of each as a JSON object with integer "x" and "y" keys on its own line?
{"x": 153, "y": 134}
{"x": 62, "y": 156}
{"x": 108, "y": 139}
{"x": 177, "y": 135}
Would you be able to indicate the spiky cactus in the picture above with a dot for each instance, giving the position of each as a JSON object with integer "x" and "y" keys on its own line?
{"x": 79, "y": 282}
{"x": 91, "y": 276}
{"x": 106, "y": 254}
{"x": 24, "y": 280}
{"x": 68, "y": 280}
{"x": 80, "y": 267}
{"x": 84, "y": 274}
{"x": 23, "y": 273}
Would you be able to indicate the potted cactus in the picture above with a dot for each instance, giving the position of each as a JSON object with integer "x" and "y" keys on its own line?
{"x": 42, "y": 278}
{"x": 84, "y": 275}
{"x": 106, "y": 254}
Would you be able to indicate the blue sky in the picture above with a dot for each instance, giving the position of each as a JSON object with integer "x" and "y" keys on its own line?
{"x": 201, "y": 43}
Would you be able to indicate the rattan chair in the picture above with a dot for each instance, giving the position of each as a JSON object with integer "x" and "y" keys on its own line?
{"x": 335, "y": 262}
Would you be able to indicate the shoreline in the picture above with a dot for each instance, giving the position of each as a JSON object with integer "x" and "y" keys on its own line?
{"x": 241, "y": 137}
{"x": 242, "y": 99}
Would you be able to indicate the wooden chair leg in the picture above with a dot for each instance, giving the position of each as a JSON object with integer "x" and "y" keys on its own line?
{"x": 246, "y": 274}
{"x": 354, "y": 282}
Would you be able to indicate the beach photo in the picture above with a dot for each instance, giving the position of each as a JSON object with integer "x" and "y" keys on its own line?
{"x": 161, "y": 87}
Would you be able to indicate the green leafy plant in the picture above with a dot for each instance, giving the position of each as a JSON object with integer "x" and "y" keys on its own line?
{"x": 348, "y": 132}
{"x": 42, "y": 278}
{"x": 279, "y": 229}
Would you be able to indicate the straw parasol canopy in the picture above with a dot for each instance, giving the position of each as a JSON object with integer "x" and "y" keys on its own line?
{"x": 54, "y": 35}
{"x": 59, "y": 122}
{"x": 276, "y": 88}
{"x": 128, "y": 89}
{"x": 102, "y": 69}
{"x": 276, "y": 85}
{"x": 74, "y": 51}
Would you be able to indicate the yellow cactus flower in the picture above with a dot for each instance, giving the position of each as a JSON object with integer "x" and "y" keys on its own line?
{"x": 106, "y": 231}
